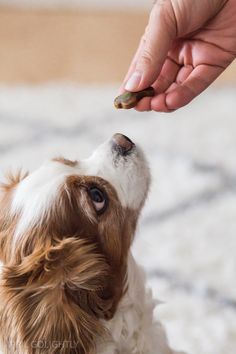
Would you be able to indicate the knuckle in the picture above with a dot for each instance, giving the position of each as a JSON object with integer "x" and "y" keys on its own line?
{"x": 147, "y": 58}
{"x": 165, "y": 11}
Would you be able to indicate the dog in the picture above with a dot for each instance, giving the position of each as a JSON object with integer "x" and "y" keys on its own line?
{"x": 69, "y": 283}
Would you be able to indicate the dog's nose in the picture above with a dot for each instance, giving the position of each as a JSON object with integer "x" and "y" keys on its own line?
{"x": 122, "y": 143}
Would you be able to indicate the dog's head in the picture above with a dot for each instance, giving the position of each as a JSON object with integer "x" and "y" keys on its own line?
{"x": 65, "y": 234}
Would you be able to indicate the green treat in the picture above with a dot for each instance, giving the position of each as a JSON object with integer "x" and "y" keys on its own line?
{"x": 129, "y": 99}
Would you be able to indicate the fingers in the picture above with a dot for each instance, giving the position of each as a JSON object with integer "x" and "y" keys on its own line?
{"x": 180, "y": 94}
{"x": 153, "y": 49}
{"x": 189, "y": 83}
{"x": 167, "y": 76}
{"x": 199, "y": 79}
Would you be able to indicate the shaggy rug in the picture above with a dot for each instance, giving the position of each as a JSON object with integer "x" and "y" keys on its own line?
{"x": 187, "y": 236}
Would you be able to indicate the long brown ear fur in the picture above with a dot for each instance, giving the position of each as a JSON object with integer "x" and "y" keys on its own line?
{"x": 12, "y": 179}
{"x": 55, "y": 297}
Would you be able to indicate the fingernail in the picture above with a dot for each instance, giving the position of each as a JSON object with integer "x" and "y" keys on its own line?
{"x": 133, "y": 82}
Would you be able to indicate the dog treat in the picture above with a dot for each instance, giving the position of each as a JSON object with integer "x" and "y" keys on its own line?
{"x": 129, "y": 99}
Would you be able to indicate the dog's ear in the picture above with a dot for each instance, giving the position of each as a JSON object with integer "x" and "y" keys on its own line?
{"x": 56, "y": 295}
{"x": 7, "y": 221}
{"x": 12, "y": 179}
{"x": 6, "y": 188}
{"x": 70, "y": 261}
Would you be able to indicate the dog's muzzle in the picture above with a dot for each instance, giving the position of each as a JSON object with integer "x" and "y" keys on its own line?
{"x": 121, "y": 144}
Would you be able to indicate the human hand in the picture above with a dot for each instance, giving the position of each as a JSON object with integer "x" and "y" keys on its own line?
{"x": 186, "y": 46}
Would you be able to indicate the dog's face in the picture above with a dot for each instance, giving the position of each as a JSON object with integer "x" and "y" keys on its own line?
{"x": 65, "y": 234}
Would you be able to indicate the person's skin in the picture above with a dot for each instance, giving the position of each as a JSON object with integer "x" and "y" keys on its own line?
{"x": 186, "y": 46}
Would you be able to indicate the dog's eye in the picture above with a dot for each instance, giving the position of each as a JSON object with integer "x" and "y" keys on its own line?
{"x": 98, "y": 198}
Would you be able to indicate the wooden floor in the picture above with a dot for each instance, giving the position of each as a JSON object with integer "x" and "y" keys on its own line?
{"x": 84, "y": 46}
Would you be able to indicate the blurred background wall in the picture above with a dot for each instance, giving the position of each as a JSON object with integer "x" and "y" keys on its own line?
{"x": 80, "y": 40}
{"x": 68, "y": 40}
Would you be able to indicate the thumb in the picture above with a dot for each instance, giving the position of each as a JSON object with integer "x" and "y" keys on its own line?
{"x": 160, "y": 32}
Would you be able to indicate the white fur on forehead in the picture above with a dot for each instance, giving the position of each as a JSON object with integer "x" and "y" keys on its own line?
{"x": 34, "y": 196}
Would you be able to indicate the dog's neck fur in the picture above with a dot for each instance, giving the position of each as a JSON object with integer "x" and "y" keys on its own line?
{"x": 133, "y": 328}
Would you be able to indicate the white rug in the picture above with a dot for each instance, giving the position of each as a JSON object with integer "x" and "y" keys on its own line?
{"x": 187, "y": 236}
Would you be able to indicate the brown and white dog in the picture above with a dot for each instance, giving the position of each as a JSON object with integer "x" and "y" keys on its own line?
{"x": 69, "y": 283}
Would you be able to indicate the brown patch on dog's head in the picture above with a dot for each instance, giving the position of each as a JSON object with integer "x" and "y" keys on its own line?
{"x": 66, "y": 161}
